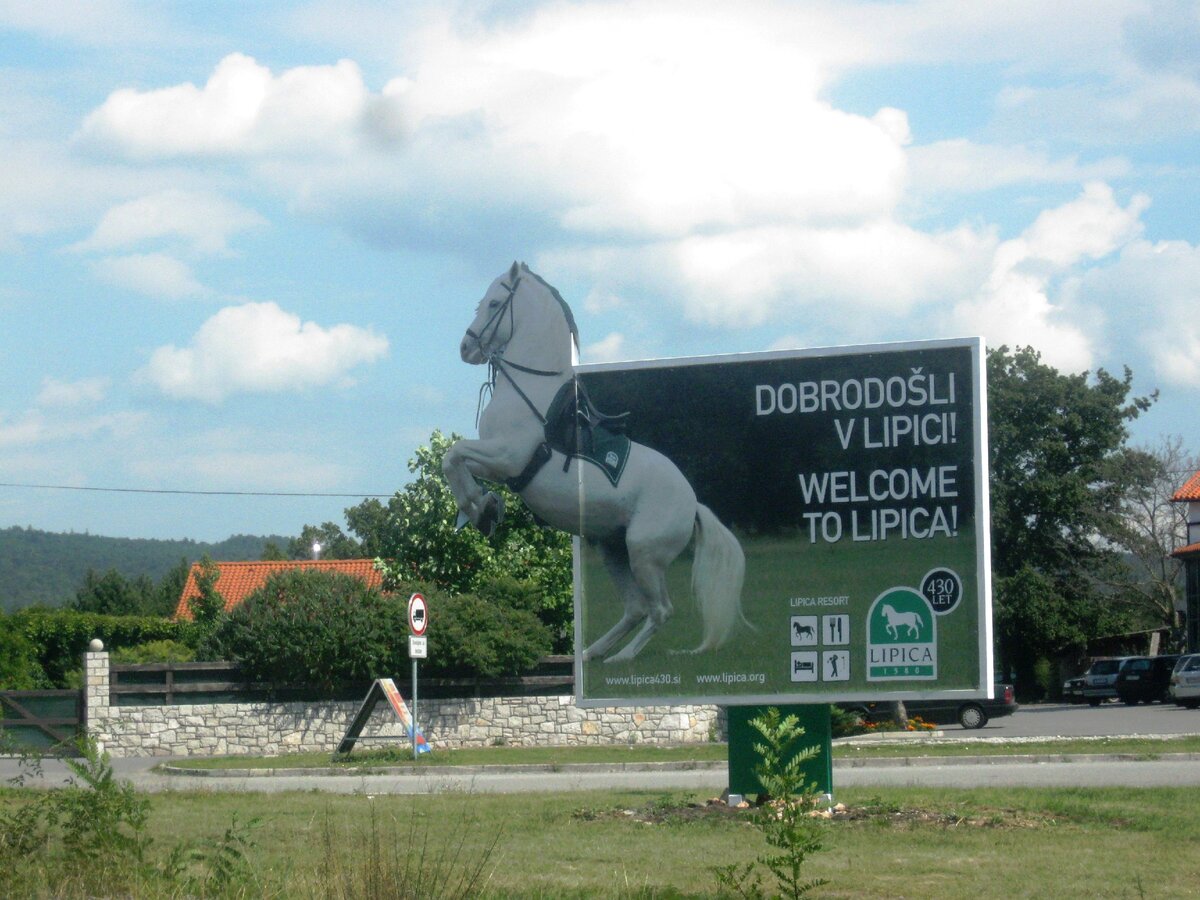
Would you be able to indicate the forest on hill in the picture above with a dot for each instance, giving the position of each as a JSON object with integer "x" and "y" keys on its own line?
{"x": 48, "y": 568}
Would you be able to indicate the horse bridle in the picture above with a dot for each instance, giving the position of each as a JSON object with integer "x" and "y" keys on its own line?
{"x": 495, "y": 359}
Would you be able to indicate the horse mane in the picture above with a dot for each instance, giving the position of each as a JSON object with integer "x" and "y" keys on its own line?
{"x": 570, "y": 316}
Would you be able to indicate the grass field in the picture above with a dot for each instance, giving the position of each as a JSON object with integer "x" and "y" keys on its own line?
{"x": 889, "y": 843}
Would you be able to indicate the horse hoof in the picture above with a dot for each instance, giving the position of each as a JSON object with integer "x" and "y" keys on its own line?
{"x": 492, "y": 514}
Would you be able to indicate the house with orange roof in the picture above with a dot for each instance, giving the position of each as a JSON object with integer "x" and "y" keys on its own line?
{"x": 238, "y": 580}
{"x": 1190, "y": 554}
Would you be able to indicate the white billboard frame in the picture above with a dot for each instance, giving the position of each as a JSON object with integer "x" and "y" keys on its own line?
{"x": 880, "y": 689}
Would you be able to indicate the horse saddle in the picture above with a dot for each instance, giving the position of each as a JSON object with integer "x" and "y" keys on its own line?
{"x": 576, "y": 428}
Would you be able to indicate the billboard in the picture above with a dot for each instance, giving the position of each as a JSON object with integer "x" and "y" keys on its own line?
{"x": 854, "y": 481}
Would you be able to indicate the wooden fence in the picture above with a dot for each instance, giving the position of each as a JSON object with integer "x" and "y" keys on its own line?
{"x": 167, "y": 684}
{"x": 41, "y": 720}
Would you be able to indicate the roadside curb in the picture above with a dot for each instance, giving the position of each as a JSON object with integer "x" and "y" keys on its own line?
{"x": 512, "y": 769}
{"x": 687, "y": 765}
{"x": 1016, "y": 758}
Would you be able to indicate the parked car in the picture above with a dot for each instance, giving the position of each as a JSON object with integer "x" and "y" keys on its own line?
{"x": 1073, "y": 690}
{"x": 1145, "y": 679}
{"x": 1100, "y": 680}
{"x": 973, "y": 713}
{"x": 1185, "y": 681}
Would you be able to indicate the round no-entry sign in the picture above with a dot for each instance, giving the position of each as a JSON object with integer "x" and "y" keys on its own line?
{"x": 418, "y": 616}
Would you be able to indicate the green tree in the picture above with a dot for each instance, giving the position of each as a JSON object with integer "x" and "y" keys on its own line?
{"x": 334, "y": 543}
{"x": 415, "y": 534}
{"x": 1150, "y": 529}
{"x": 1058, "y": 489}
{"x": 208, "y": 612}
{"x": 113, "y": 594}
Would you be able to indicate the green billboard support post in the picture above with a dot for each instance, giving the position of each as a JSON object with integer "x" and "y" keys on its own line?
{"x": 743, "y": 759}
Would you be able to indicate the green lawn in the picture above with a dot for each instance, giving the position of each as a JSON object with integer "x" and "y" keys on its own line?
{"x": 890, "y": 842}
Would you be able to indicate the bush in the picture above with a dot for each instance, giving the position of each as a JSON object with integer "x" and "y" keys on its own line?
{"x": 319, "y": 630}
{"x": 19, "y": 667}
{"x": 492, "y": 633}
{"x": 154, "y": 652}
{"x": 329, "y": 632}
{"x": 60, "y": 637}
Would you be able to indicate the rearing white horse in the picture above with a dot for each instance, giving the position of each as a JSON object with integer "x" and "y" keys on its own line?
{"x": 526, "y": 333}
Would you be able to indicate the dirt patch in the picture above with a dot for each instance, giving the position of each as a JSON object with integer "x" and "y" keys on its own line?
{"x": 717, "y": 810}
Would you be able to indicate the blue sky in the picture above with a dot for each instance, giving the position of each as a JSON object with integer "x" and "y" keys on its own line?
{"x": 239, "y": 243}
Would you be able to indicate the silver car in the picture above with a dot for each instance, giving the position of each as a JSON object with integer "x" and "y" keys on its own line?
{"x": 1100, "y": 680}
{"x": 1185, "y": 681}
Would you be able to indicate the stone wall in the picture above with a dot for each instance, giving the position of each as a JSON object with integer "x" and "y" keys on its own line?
{"x": 271, "y": 728}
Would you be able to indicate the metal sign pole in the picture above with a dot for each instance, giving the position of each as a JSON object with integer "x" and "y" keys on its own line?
{"x": 414, "y": 709}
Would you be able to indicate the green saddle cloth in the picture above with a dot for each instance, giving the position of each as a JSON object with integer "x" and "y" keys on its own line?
{"x": 576, "y": 428}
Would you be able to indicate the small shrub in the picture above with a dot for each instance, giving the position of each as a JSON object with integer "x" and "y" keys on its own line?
{"x": 785, "y": 819}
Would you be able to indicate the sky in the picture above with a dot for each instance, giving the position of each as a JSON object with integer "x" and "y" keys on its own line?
{"x": 240, "y": 242}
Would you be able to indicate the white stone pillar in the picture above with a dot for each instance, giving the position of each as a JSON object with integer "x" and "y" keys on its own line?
{"x": 95, "y": 694}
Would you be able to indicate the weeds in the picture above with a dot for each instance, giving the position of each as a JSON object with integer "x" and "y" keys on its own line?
{"x": 91, "y": 838}
{"x": 405, "y": 869}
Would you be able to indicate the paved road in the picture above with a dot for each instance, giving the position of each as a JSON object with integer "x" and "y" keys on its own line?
{"x": 1099, "y": 773}
{"x": 1050, "y": 719}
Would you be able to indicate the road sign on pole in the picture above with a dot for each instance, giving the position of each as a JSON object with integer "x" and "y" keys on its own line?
{"x": 418, "y": 614}
{"x": 418, "y": 619}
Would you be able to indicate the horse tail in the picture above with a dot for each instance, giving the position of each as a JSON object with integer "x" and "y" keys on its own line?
{"x": 718, "y": 571}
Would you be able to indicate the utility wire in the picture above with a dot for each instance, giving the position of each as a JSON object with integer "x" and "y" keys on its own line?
{"x": 117, "y": 490}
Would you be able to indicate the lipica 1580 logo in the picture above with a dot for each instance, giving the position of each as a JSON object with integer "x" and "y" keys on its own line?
{"x": 901, "y": 637}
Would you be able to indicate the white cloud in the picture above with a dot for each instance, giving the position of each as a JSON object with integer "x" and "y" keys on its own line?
{"x": 95, "y": 23}
{"x": 152, "y": 274}
{"x": 203, "y": 222}
{"x": 258, "y": 347}
{"x": 745, "y": 278}
{"x": 72, "y": 393}
{"x": 1152, "y": 292}
{"x": 242, "y": 110}
{"x": 963, "y": 166}
{"x": 1014, "y": 306}
{"x": 35, "y": 428}
{"x": 607, "y": 349}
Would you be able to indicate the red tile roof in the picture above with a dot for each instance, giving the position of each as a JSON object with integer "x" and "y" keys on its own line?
{"x": 1190, "y": 490}
{"x": 1189, "y": 550}
{"x": 237, "y": 580}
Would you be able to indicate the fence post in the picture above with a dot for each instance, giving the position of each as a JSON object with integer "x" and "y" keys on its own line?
{"x": 95, "y": 691}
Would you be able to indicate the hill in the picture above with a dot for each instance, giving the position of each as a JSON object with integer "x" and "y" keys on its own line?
{"x": 45, "y": 567}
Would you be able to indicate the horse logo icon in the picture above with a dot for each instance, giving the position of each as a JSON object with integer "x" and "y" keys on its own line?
{"x": 897, "y": 620}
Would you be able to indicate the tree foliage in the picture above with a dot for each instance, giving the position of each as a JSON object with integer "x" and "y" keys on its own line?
{"x": 334, "y": 543}
{"x": 1150, "y": 529}
{"x": 113, "y": 594}
{"x": 414, "y": 534}
{"x": 60, "y": 637}
{"x": 328, "y": 631}
{"x": 19, "y": 666}
{"x": 1059, "y": 483}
